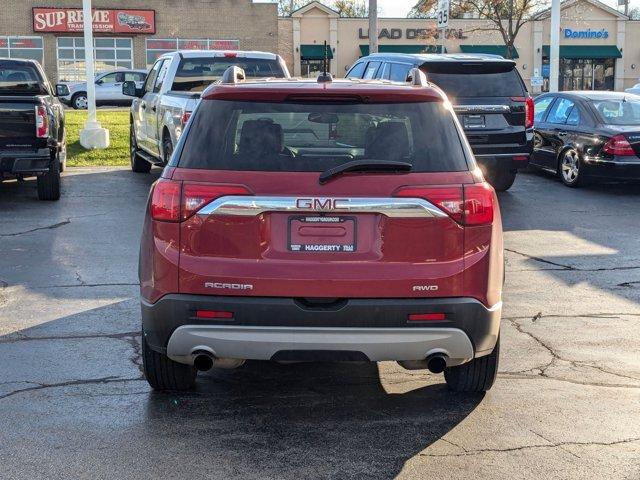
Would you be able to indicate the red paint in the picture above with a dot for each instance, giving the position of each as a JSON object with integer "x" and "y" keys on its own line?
{"x": 104, "y": 20}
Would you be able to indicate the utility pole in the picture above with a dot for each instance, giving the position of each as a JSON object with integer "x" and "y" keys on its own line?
{"x": 373, "y": 26}
{"x": 554, "y": 48}
{"x": 92, "y": 136}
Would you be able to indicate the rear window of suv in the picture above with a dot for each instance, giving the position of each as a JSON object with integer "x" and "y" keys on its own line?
{"x": 489, "y": 84}
{"x": 195, "y": 74}
{"x": 312, "y": 137}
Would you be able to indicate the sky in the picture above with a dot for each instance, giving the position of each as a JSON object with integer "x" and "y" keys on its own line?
{"x": 400, "y": 8}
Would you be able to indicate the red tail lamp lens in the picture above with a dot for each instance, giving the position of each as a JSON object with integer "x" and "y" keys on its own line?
{"x": 528, "y": 109}
{"x": 165, "y": 200}
{"x": 213, "y": 314}
{"x": 618, "y": 145}
{"x": 467, "y": 204}
{"x": 185, "y": 118}
{"x": 42, "y": 122}
{"x": 197, "y": 195}
{"x": 426, "y": 317}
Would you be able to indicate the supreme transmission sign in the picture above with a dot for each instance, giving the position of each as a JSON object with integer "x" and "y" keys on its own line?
{"x": 104, "y": 20}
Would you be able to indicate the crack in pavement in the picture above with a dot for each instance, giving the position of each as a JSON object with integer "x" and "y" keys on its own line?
{"x": 25, "y": 338}
{"x": 480, "y": 451}
{"x": 93, "y": 381}
{"x": 48, "y": 227}
{"x": 556, "y": 357}
{"x": 89, "y": 285}
{"x": 565, "y": 267}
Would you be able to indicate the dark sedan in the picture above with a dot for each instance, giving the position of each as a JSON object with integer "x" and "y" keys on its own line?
{"x": 586, "y": 135}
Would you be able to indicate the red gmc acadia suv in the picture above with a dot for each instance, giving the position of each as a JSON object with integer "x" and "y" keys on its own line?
{"x": 325, "y": 220}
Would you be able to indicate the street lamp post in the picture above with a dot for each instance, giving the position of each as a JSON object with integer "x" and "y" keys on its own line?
{"x": 92, "y": 136}
{"x": 554, "y": 47}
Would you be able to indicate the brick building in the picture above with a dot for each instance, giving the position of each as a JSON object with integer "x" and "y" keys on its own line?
{"x": 132, "y": 32}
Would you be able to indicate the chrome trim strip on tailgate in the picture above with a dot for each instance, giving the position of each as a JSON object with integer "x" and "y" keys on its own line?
{"x": 481, "y": 108}
{"x": 391, "y": 207}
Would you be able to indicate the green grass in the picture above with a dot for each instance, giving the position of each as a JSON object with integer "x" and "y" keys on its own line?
{"x": 116, "y": 121}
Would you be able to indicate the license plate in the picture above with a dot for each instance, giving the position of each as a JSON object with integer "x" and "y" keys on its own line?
{"x": 473, "y": 121}
{"x": 322, "y": 234}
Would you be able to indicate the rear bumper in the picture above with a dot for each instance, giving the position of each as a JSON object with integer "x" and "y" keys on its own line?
{"x": 619, "y": 168}
{"x": 23, "y": 163}
{"x": 511, "y": 156}
{"x": 267, "y": 327}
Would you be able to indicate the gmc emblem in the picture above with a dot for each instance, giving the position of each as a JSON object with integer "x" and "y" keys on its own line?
{"x": 320, "y": 203}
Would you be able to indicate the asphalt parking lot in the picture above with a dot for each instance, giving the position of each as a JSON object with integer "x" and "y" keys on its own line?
{"x": 73, "y": 403}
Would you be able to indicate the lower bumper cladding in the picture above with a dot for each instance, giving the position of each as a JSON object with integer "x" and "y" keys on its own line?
{"x": 264, "y": 328}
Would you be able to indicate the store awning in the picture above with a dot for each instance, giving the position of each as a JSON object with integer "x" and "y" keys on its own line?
{"x": 492, "y": 49}
{"x": 364, "y": 49}
{"x": 585, "y": 51}
{"x": 314, "y": 52}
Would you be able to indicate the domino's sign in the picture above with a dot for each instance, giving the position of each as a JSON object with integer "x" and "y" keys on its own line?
{"x": 588, "y": 33}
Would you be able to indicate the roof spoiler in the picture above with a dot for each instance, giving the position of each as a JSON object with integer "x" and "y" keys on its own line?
{"x": 233, "y": 74}
{"x": 417, "y": 78}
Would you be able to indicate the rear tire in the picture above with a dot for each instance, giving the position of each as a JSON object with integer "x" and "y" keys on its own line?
{"x": 501, "y": 179}
{"x": 49, "y": 183}
{"x": 138, "y": 164}
{"x": 163, "y": 374}
{"x": 79, "y": 101}
{"x": 478, "y": 375}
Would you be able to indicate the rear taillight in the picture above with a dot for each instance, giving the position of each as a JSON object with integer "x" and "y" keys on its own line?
{"x": 214, "y": 314}
{"x": 197, "y": 195}
{"x": 468, "y": 205}
{"x": 185, "y": 118}
{"x": 173, "y": 201}
{"x": 618, "y": 145}
{"x": 42, "y": 122}
{"x": 165, "y": 200}
{"x": 426, "y": 317}
{"x": 528, "y": 110}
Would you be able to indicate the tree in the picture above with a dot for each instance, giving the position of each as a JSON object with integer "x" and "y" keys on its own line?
{"x": 504, "y": 16}
{"x": 346, "y": 8}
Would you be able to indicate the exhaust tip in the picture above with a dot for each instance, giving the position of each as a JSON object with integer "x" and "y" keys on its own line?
{"x": 203, "y": 362}
{"x": 437, "y": 363}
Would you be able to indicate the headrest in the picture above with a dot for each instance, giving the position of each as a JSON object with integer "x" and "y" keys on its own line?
{"x": 387, "y": 141}
{"x": 260, "y": 137}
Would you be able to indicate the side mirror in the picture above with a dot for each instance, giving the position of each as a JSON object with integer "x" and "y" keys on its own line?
{"x": 99, "y": 82}
{"x": 129, "y": 88}
{"x": 62, "y": 90}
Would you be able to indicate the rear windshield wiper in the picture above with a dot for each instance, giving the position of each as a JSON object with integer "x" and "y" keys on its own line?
{"x": 364, "y": 165}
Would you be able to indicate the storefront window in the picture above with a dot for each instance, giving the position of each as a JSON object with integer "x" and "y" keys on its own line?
{"x": 22, "y": 47}
{"x": 159, "y": 46}
{"x": 109, "y": 53}
{"x": 313, "y": 68}
{"x": 583, "y": 74}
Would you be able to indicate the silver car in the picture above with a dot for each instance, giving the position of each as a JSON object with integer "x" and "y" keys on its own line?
{"x": 108, "y": 88}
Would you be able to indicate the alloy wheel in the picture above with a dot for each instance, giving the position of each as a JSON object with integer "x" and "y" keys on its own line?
{"x": 570, "y": 167}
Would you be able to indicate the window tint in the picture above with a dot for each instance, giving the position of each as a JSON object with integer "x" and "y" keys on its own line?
{"x": 195, "y": 74}
{"x": 162, "y": 74}
{"x": 134, "y": 77}
{"x": 618, "y": 112}
{"x": 560, "y": 111}
{"x": 540, "y": 107}
{"x": 383, "y": 71}
{"x": 399, "y": 72}
{"x": 312, "y": 137}
{"x": 462, "y": 84}
{"x": 18, "y": 77}
{"x": 357, "y": 70}
{"x": 111, "y": 78}
{"x": 574, "y": 116}
{"x": 371, "y": 70}
{"x": 151, "y": 78}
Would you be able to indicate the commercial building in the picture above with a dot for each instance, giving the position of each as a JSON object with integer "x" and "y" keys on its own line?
{"x": 600, "y": 47}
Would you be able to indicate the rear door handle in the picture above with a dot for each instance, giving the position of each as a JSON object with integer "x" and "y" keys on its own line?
{"x": 153, "y": 109}
{"x": 143, "y": 106}
{"x": 562, "y": 133}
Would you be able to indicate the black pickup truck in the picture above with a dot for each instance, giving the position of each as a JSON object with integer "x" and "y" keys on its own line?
{"x": 32, "y": 139}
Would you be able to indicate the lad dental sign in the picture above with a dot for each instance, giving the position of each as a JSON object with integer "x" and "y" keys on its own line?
{"x": 104, "y": 20}
{"x": 412, "y": 33}
{"x": 588, "y": 33}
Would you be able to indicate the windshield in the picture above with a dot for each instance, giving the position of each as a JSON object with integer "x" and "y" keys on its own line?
{"x": 195, "y": 74}
{"x": 312, "y": 137}
{"x": 500, "y": 84}
{"x": 618, "y": 112}
{"x": 20, "y": 78}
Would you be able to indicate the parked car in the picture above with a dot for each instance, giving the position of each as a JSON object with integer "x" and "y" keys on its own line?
{"x": 635, "y": 89}
{"x": 488, "y": 95}
{"x": 304, "y": 220}
{"x": 583, "y": 135}
{"x": 162, "y": 107}
{"x": 108, "y": 88}
{"x": 32, "y": 134}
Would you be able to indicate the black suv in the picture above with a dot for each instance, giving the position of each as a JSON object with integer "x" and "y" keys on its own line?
{"x": 488, "y": 96}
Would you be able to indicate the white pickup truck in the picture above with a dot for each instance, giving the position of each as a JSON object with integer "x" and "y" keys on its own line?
{"x": 162, "y": 107}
